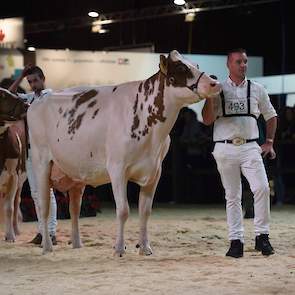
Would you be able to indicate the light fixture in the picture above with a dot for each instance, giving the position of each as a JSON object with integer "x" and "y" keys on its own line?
{"x": 31, "y": 48}
{"x": 179, "y": 2}
{"x": 97, "y": 28}
{"x": 93, "y": 14}
{"x": 103, "y": 31}
{"x": 190, "y": 17}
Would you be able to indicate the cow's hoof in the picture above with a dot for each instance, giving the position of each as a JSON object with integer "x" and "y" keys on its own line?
{"x": 144, "y": 250}
{"x": 119, "y": 252}
{"x": 47, "y": 250}
{"x": 9, "y": 239}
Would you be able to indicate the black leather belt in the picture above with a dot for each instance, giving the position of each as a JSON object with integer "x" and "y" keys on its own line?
{"x": 237, "y": 141}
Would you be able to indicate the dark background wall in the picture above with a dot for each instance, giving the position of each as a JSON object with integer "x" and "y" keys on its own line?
{"x": 264, "y": 30}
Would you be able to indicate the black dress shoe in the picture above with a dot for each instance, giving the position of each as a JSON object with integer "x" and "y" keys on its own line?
{"x": 37, "y": 239}
{"x": 236, "y": 249}
{"x": 262, "y": 244}
{"x": 53, "y": 239}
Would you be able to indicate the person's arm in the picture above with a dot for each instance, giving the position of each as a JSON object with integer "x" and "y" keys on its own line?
{"x": 270, "y": 116}
{"x": 267, "y": 147}
{"x": 271, "y": 127}
{"x": 208, "y": 112}
{"x": 14, "y": 86}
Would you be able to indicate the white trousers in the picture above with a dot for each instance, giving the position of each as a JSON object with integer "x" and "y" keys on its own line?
{"x": 52, "y": 222}
{"x": 231, "y": 162}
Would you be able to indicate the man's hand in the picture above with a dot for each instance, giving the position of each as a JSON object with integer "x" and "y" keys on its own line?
{"x": 25, "y": 70}
{"x": 208, "y": 113}
{"x": 16, "y": 83}
{"x": 267, "y": 149}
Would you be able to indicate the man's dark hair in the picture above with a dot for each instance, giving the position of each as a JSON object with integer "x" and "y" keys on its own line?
{"x": 36, "y": 70}
{"x": 236, "y": 50}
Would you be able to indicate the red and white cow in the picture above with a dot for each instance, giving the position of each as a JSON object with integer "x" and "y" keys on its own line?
{"x": 97, "y": 135}
{"x": 12, "y": 160}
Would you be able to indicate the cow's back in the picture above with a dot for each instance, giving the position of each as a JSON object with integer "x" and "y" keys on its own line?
{"x": 77, "y": 123}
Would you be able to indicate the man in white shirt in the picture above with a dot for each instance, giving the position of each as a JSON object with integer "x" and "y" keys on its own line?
{"x": 235, "y": 113}
{"x": 36, "y": 79}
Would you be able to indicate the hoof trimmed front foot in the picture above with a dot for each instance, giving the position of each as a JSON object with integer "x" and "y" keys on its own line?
{"x": 144, "y": 250}
{"x": 9, "y": 238}
{"x": 119, "y": 251}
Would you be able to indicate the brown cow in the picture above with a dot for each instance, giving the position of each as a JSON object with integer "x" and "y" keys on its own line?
{"x": 12, "y": 159}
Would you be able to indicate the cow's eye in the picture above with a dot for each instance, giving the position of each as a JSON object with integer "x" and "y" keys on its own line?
{"x": 181, "y": 68}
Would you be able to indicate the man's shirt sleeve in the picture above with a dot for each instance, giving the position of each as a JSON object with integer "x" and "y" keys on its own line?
{"x": 265, "y": 106}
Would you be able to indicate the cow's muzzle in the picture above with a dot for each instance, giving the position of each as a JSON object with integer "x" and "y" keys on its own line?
{"x": 194, "y": 87}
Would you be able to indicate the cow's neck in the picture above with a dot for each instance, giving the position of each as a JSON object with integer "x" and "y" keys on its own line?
{"x": 172, "y": 109}
{"x": 155, "y": 109}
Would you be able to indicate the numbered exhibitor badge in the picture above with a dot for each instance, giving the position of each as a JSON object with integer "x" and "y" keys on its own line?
{"x": 236, "y": 106}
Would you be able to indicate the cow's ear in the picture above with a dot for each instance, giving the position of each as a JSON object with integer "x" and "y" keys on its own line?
{"x": 163, "y": 64}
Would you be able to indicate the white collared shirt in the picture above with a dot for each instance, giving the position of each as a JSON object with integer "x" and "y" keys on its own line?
{"x": 32, "y": 96}
{"x": 242, "y": 126}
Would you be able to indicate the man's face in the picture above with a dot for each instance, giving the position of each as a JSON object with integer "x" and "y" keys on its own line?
{"x": 36, "y": 82}
{"x": 237, "y": 64}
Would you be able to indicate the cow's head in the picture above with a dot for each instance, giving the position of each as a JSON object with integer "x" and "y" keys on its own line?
{"x": 12, "y": 108}
{"x": 196, "y": 85}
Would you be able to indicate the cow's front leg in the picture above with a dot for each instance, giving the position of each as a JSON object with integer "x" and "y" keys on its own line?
{"x": 119, "y": 186}
{"x": 9, "y": 209}
{"x": 75, "y": 207}
{"x": 146, "y": 197}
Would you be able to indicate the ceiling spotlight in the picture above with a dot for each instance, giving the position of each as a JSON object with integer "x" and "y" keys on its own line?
{"x": 179, "y": 2}
{"x": 97, "y": 28}
{"x": 190, "y": 17}
{"x": 93, "y": 14}
{"x": 103, "y": 31}
{"x": 31, "y": 48}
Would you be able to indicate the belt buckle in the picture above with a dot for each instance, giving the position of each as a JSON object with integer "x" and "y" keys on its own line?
{"x": 238, "y": 141}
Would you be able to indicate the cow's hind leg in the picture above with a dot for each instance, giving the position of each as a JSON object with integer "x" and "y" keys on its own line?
{"x": 119, "y": 186}
{"x": 75, "y": 207}
{"x": 9, "y": 209}
{"x": 146, "y": 197}
{"x": 43, "y": 168}
{"x": 17, "y": 216}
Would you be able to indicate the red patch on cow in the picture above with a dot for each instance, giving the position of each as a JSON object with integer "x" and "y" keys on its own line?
{"x": 92, "y": 104}
{"x": 74, "y": 122}
{"x": 155, "y": 111}
{"x": 95, "y": 113}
